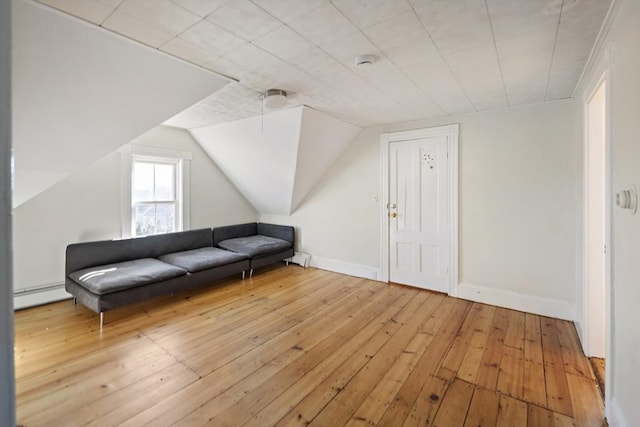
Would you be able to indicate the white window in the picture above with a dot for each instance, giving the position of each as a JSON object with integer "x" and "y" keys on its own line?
{"x": 155, "y": 192}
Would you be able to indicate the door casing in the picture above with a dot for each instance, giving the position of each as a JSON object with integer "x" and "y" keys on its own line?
{"x": 452, "y": 134}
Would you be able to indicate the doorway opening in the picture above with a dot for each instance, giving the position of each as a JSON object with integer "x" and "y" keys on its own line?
{"x": 597, "y": 226}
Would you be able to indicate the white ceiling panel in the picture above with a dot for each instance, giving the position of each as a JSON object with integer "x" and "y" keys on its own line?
{"x": 244, "y": 19}
{"x": 365, "y": 13}
{"x": 187, "y": 51}
{"x": 560, "y": 78}
{"x": 253, "y": 58}
{"x": 413, "y": 52}
{"x": 224, "y": 66}
{"x": 323, "y": 25}
{"x": 212, "y": 38}
{"x": 479, "y": 74}
{"x": 162, "y": 14}
{"x": 284, "y": 43}
{"x": 396, "y": 32}
{"x": 134, "y": 28}
{"x": 345, "y": 49}
{"x": 525, "y": 77}
{"x": 94, "y": 11}
{"x": 438, "y": 82}
{"x": 319, "y": 64}
{"x": 434, "y": 57}
{"x": 288, "y": 10}
{"x": 463, "y": 37}
{"x": 513, "y": 18}
{"x": 201, "y": 8}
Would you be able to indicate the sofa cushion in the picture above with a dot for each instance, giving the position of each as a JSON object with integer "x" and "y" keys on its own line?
{"x": 254, "y": 245}
{"x": 108, "y": 278}
{"x": 201, "y": 259}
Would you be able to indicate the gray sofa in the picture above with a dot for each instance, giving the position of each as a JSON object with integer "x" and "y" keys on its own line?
{"x": 109, "y": 274}
{"x": 262, "y": 243}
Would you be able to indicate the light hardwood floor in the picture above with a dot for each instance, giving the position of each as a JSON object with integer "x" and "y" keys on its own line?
{"x": 296, "y": 346}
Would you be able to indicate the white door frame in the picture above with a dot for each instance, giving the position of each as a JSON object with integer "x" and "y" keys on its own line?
{"x": 589, "y": 286}
{"x": 451, "y": 132}
{"x": 602, "y": 73}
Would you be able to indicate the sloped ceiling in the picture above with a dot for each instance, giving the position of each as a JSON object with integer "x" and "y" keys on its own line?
{"x": 80, "y": 92}
{"x": 434, "y": 57}
{"x": 275, "y": 160}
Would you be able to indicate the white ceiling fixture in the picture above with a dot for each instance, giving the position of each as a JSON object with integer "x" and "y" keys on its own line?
{"x": 365, "y": 60}
{"x": 274, "y": 99}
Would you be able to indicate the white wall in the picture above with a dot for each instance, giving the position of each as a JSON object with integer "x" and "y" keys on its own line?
{"x": 81, "y": 91}
{"x": 519, "y": 193}
{"x": 87, "y": 206}
{"x": 7, "y": 384}
{"x": 275, "y": 159}
{"x": 622, "y": 40}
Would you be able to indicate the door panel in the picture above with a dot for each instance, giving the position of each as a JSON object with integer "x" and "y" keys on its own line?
{"x": 419, "y": 213}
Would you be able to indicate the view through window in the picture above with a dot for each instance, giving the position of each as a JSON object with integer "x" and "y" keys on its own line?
{"x": 155, "y": 201}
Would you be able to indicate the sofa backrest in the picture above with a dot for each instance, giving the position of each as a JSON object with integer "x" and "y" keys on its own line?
{"x": 234, "y": 231}
{"x": 284, "y": 232}
{"x": 90, "y": 254}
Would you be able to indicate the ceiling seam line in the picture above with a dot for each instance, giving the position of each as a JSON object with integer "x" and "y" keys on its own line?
{"x": 111, "y": 13}
{"x": 358, "y": 30}
{"x": 553, "y": 52}
{"x": 446, "y": 63}
{"x": 495, "y": 46}
{"x": 394, "y": 64}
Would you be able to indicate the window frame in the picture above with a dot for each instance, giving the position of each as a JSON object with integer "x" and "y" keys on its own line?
{"x": 180, "y": 160}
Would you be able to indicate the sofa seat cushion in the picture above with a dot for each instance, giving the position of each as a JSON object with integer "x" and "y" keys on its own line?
{"x": 202, "y": 259}
{"x": 255, "y": 245}
{"x": 109, "y": 278}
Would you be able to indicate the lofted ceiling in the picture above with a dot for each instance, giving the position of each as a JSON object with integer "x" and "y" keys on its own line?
{"x": 434, "y": 57}
{"x": 80, "y": 92}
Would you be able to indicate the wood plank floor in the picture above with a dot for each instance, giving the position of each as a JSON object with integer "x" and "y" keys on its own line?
{"x": 295, "y": 346}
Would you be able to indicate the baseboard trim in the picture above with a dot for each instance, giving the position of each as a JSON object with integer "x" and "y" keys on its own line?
{"x": 615, "y": 417}
{"x": 343, "y": 267}
{"x": 516, "y": 301}
{"x": 31, "y": 298}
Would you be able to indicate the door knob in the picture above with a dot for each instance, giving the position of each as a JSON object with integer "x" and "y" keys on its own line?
{"x": 393, "y": 214}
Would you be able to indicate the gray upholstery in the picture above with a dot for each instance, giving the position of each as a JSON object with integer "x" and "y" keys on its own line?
{"x": 108, "y": 278}
{"x": 233, "y": 231}
{"x": 109, "y": 274}
{"x": 201, "y": 259}
{"x": 283, "y": 232}
{"x": 271, "y": 258}
{"x": 254, "y": 245}
{"x": 258, "y": 241}
{"x": 89, "y": 254}
{"x": 101, "y": 303}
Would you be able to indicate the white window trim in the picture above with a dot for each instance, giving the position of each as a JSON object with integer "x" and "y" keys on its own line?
{"x": 183, "y": 165}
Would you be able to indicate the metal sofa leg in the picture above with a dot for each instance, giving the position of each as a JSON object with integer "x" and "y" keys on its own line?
{"x": 101, "y": 319}
{"x": 251, "y": 273}
{"x": 75, "y": 301}
{"x": 286, "y": 262}
{"x": 243, "y": 275}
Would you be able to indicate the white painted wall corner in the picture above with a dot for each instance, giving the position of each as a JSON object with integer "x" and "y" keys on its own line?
{"x": 615, "y": 417}
{"x": 517, "y": 301}
{"x": 348, "y": 268}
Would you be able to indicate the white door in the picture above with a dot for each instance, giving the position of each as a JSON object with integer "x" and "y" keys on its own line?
{"x": 419, "y": 213}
